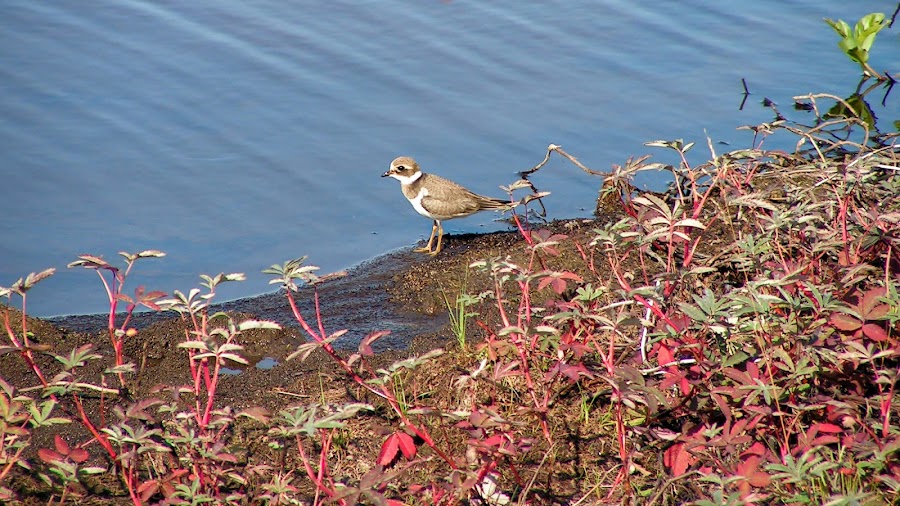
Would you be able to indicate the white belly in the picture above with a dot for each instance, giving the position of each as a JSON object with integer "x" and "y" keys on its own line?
{"x": 417, "y": 203}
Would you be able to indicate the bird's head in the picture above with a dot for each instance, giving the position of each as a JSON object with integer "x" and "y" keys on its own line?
{"x": 404, "y": 169}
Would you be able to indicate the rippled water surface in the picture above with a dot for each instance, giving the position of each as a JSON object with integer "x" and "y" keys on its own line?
{"x": 234, "y": 135}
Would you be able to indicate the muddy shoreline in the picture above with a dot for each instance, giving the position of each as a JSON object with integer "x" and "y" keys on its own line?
{"x": 359, "y": 302}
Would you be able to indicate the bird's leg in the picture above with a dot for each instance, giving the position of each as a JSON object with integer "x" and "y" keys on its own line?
{"x": 427, "y": 248}
{"x": 440, "y": 237}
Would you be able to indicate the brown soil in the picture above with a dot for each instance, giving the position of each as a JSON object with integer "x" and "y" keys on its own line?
{"x": 403, "y": 292}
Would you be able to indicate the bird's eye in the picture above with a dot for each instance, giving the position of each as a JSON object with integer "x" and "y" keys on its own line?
{"x": 401, "y": 167}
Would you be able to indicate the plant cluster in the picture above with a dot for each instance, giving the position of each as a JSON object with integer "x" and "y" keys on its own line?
{"x": 733, "y": 340}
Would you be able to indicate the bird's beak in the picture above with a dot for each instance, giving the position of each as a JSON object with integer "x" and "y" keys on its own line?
{"x": 386, "y": 174}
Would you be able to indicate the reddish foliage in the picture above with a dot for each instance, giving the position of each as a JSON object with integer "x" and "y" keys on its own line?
{"x": 396, "y": 444}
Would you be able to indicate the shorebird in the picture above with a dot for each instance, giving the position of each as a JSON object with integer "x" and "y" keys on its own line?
{"x": 437, "y": 198}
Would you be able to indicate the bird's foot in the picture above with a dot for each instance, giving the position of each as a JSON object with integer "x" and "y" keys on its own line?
{"x": 428, "y": 251}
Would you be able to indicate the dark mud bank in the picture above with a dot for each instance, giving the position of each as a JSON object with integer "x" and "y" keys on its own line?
{"x": 360, "y": 302}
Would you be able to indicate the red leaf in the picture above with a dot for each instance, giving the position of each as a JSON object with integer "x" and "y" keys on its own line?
{"x": 723, "y": 406}
{"x": 573, "y": 372}
{"x": 407, "y": 445}
{"x": 677, "y": 459}
{"x": 558, "y": 285}
{"x": 78, "y": 455}
{"x": 125, "y": 298}
{"x": 875, "y": 332}
{"x": 389, "y": 451}
{"x": 753, "y": 370}
{"x": 845, "y": 322}
{"x": 60, "y": 445}
{"x": 749, "y": 469}
{"x": 828, "y": 427}
{"x": 756, "y": 448}
{"x": 685, "y": 386}
{"x": 738, "y": 376}
{"x": 49, "y": 456}
{"x": 226, "y": 457}
{"x": 672, "y": 378}
{"x": 823, "y": 440}
{"x": 365, "y": 346}
{"x": 151, "y": 305}
{"x": 147, "y": 489}
{"x": 869, "y": 307}
{"x": 495, "y": 440}
{"x": 664, "y": 356}
{"x": 878, "y": 312}
{"x": 260, "y": 414}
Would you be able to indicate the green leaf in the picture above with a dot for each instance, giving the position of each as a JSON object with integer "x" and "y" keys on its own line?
{"x": 235, "y": 358}
{"x": 738, "y": 357}
{"x": 839, "y": 26}
{"x": 257, "y": 324}
{"x": 33, "y": 278}
{"x": 693, "y": 312}
{"x": 197, "y": 345}
{"x": 867, "y": 28}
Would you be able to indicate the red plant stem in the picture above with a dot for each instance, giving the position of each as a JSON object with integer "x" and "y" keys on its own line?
{"x": 698, "y": 206}
{"x": 330, "y": 349}
{"x": 93, "y": 430}
{"x": 691, "y": 247}
{"x": 485, "y": 469}
{"x": 24, "y": 319}
{"x": 318, "y": 313}
{"x": 323, "y": 456}
{"x": 130, "y": 481}
{"x": 25, "y": 351}
{"x": 523, "y": 353}
{"x": 642, "y": 258}
{"x": 589, "y": 262}
{"x": 522, "y": 230}
{"x": 211, "y": 393}
{"x": 128, "y": 311}
{"x": 204, "y": 369}
{"x": 622, "y": 474}
{"x": 384, "y": 394}
{"x": 516, "y": 476}
{"x": 886, "y": 411}
{"x": 110, "y": 295}
{"x": 842, "y": 219}
{"x": 12, "y": 461}
{"x": 653, "y": 307}
{"x": 313, "y": 475}
{"x": 119, "y": 341}
{"x": 104, "y": 442}
{"x": 194, "y": 368}
{"x": 609, "y": 360}
{"x": 424, "y": 436}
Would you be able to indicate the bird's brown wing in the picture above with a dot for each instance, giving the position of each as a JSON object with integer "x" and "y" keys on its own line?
{"x": 447, "y": 199}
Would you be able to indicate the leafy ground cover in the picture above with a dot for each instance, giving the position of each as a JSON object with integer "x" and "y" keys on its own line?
{"x": 733, "y": 340}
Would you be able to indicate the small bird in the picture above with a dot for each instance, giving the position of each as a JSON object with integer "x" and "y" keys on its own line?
{"x": 437, "y": 198}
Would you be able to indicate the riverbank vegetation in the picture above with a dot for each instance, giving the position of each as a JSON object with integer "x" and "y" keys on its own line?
{"x": 733, "y": 340}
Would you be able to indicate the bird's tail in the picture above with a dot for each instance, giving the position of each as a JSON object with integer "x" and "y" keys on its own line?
{"x": 492, "y": 203}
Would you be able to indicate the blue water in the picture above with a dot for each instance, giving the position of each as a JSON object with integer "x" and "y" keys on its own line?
{"x": 235, "y": 135}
